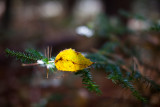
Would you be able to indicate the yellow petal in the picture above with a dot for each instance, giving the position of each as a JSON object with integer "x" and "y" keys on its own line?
{"x": 70, "y": 60}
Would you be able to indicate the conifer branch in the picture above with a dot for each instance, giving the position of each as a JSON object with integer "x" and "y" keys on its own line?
{"x": 88, "y": 82}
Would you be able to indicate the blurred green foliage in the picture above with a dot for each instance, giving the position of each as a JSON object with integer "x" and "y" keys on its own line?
{"x": 107, "y": 57}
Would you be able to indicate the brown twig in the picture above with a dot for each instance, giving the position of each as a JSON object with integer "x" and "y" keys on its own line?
{"x": 32, "y": 64}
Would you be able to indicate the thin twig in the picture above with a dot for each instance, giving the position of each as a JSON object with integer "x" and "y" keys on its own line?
{"x": 45, "y": 52}
{"x": 32, "y": 64}
{"x": 48, "y": 52}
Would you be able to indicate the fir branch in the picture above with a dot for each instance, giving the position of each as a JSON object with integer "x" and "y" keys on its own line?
{"x": 34, "y": 53}
{"x": 114, "y": 73}
{"x": 100, "y": 60}
{"x": 23, "y": 57}
{"x": 88, "y": 82}
{"x": 117, "y": 78}
{"x": 136, "y": 76}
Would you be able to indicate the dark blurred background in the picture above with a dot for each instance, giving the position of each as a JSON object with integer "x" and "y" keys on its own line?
{"x": 41, "y": 23}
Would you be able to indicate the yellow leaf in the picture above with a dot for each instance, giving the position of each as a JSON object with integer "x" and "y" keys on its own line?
{"x": 70, "y": 60}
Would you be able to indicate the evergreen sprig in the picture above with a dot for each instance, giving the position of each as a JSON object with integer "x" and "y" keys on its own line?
{"x": 28, "y": 57}
{"x": 114, "y": 73}
{"x": 117, "y": 77}
{"x": 34, "y": 53}
{"x": 88, "y": 82}
{"x": 136, "y": 76}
